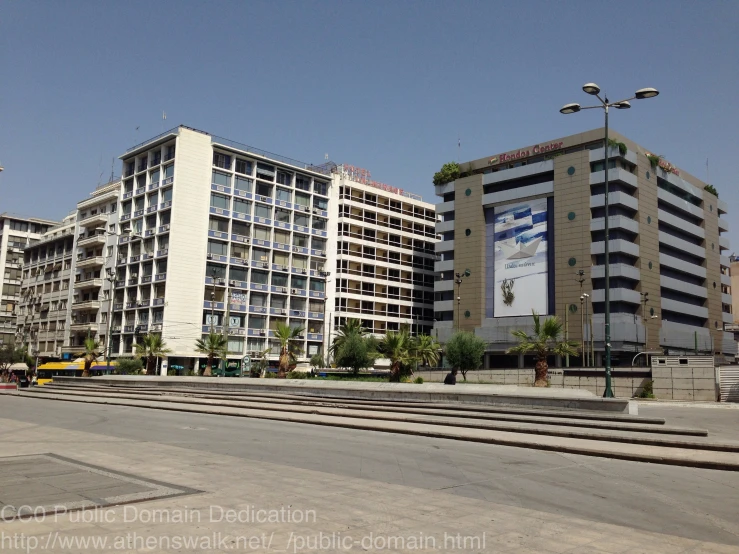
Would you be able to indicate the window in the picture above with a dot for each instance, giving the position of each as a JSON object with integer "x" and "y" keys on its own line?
{"x": 265, "y": 171}
{"x": 113, "y": 207}
{"x": 238, "y": 274}
{"x": 301, "y": 219}
{"x": 259, "y": 277}
{"x": 244, "y": 167}
{"x": 242, "y": 183}
{"x": 257, "y": 322}
{"x": 235, "y": 345}
{"x": 300, "y": 262}
{"x": 217, "y": 270}
{"x": 302, "y": 199}
{"x": 257, "y": 299}
{"x": 284, "y": 195}
{"x": 221, "y": 160}
{"x": 155, "y": 176}
{"x": 281, "y": 258}
{"x": 220, "y": 178}
{"x": 282, "y": 237}
{"x": 300, "y": 240}
{"x": 320, "y": 203}
{"x": 238, "y": 228}
{"x": 216, "y": 224}
{"x": 320, "y": 223}
{"x": 320, "y": 188}
{"x": 262, "y": 233}
{"x": 317, "y": 285}
{"x": 169, "y": 171}
{"x": 218, "y": 201}
{"x": 242, "y": 206}
{"x": 302, "y": 182}
{"x": 260, "y": 255}
{"x": 167, "y": 195}
{"x": 264, "y": 190}
{"x": 239, "y": 251}
{"x": 298, "y": 282}
{"x": 279, "y": 280}
{"x": 263, "y": 211}
{"x": 284, "y": 178}
{"x": 282, "y": 215}
{"x": 319, "y": 244}
{"x": 218, "y": 248}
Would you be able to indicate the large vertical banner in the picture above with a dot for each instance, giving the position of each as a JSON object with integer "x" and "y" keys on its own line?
{"x": 521, "y": 269}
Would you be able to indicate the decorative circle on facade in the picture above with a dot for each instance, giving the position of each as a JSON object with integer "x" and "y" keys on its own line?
{"x": 467, "y": 232}
{"x": 650, "y": 265}
{"x": 467, "y": 313}
{"x": 572, "y": 262}
{"x": 711, "y": 207}
{"x": 570, "y": 170}
{"x": 571, "y": 216}
{"x": 468, "y": 192}
{"x": 647, "y": 174}
{"x": 713, "y": 246}
{"x": 651, "y": 311}
{"x": 573, "y": 308}
{"x": 649, "y": 219}
{"x": 715, "y": 324}
{"x": 714, "y": 284}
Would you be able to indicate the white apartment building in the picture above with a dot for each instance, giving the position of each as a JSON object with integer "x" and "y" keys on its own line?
{"x": 95, "y": 264}
{"x": 383, "y": 245}
{"x": 46, "y": 293}
{"x": 233, "y": 237}
{"x": 16, "y": 233}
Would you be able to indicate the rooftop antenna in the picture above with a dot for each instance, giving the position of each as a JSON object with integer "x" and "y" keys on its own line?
{"x": 459, "y": 146}
{"x": 112, "y": 170}
{"x": 164, "y": 119}
{"x": 708, "y": 179}
{"x": 325, "y": 156}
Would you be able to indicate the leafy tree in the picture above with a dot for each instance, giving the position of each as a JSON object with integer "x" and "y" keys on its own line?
{"x": 448, "y": 173}
{"x": 289, "y": 346}
{"x": 10, "y": 355}
{"x": 356, "y": 352}
{"x": 425, "y": 349}
{"x": 317, "y": 361}
{"x": 711, "y": 189}
{"x": 397, "y": 348}
{"x": 91, "y": 353}
{"x": 351, "y": 327}
{"x": 151, "y": 347}
{"x": 464, "y": 351}
{"x": 214, "y": 346}
{"x": 546, "y": 340}
{"x": 129, "y": 366}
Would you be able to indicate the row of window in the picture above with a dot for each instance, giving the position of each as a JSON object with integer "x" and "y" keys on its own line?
{"x": 268, "y": 172}
{"x": 265, "y": 189}
{"x": 244, "y": 206}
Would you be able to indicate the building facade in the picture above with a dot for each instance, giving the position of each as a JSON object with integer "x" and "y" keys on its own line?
{"x": 46, "y": 290}
{"x": 382, "y": 239}
{"x": 219, "y": 236}
{"x": 16, "y": 233}
{"x": 525, "y": 231}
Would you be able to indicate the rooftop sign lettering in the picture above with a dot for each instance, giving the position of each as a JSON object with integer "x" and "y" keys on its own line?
{"x": 526, "y": 152}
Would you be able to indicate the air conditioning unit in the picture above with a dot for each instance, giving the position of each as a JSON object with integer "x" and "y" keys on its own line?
{"x": 134, "y": 275}
{"x": 232, "y": 283}
{"x": 210, "y": 256}
{"x": 263, "y": 258}
{"x": 296, "y": 249}
{"x": 283, "y": 312}
{"x": 303, "y": 270}
{"x": 316, "y": 211}
{"x": 220, "y": 281}
{"x": 282, "y": 289}
{"x": 322, "y": 252}
{"x": 294, "y": 291}
{"x": 260, "y": 332}
{"x": 166, "y": 226}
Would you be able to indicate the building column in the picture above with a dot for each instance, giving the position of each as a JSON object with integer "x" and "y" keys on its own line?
{"x": 520, "y": 361}
{"x": 599, "y": 359}
{"x": 558, "y": 361}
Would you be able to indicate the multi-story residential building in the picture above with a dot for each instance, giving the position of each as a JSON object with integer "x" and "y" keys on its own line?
{"x": 383, "y": 245}
{"x": 46, "y": 293}
{"x": 16, "y": 233}
{"x": 95, "y": 265}
{"x": 525, "y": 231}
{"x": 234, "y": 240}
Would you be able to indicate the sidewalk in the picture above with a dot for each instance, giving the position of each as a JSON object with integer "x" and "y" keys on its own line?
{"x": 306, "y": 507}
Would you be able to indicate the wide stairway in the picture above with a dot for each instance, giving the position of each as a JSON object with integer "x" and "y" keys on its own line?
{"x": 612, "y": 435}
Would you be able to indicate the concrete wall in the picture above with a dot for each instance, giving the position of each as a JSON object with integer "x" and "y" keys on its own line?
{"x": 693, "y": 380}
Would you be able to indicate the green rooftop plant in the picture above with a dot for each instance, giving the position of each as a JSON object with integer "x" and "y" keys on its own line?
{"x": 711, "y": 189}
{"x": 622, "y": 148}
{"x": 448, "y": 173}
{"x": 653, "y": 160}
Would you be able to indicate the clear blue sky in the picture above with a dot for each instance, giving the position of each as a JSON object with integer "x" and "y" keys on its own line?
{"x": 388, "y": 86}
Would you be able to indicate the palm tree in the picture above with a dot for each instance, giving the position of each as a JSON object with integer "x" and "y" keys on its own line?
{"x": 289, "y": 347}
{"x": 214, "y": 346}
{"x": 425, "y": 349}
{"x": 91, "y": 353}
{"x": 151, "y": 347}
{"x": 545, "y": 341}
{"x": 351, "y": 327}
{"x": 397, "y": 348}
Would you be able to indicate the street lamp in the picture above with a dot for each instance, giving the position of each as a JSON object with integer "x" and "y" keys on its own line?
{"x": 594, "y": 90}
{"x": 458, "y": 280}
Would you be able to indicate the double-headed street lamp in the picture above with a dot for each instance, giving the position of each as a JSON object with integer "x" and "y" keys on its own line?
{"x": 641, "y": 94}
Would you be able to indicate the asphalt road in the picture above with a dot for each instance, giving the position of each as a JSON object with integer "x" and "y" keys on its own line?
{"x": 692, "y": 503}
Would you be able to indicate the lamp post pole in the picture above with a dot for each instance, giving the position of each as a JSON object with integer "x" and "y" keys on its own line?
{"x": 458, "y": 280}
{"x": 593, "y": 89}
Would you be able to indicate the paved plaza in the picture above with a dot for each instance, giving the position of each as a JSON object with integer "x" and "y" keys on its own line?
{"x": 221, "y": 484}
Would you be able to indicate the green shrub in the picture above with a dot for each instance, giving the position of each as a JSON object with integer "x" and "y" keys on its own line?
{"x": 297, "y": 375}
{"x": 270, "y": 375}
{"x": 418, "y": 381}
{"x": 647, "y": 390}
{"x": 448, "y": 173}
{"x": 711, "y": 189}
{"x": 129, "y": 366}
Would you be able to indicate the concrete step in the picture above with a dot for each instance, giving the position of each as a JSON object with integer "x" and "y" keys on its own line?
{"x": 462, "y": 413}
{"x": 624, "y": 434}
{"x": 693, "y": 456}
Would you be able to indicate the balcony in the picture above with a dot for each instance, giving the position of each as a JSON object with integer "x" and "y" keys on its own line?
{"x": 681, "y": 265}
{"x": 615, "y": 245}
{"x": 682, "y": 224}
{"x": 615, "y": 222}
{"x": 723, "y": 225}
{"x": 86, "y": 305}
{"x": 684, "y": 308}
{"x": 726, "y": 298}
{"x": 683, "y": 286}
{"x": 617, "y": 174}
{"x": 613, "y": 153}
{"x": 92, "y": 261}
{"x": 726, "y": 280}
{"x": 158, "y": 302}
{"x": 86, "y": 327}
{"x": 93, "y": 240}
{"x": 618, "y": 295}
{"x": 616, "y": 270}
{"x": 682, "y": 245}
{"x": 679, "y": 203}
{"x": 95, "y": 220}
{"x": 88, "y": 284}
{"x": 724, "y": 243}
{"x": 614, "y": 198}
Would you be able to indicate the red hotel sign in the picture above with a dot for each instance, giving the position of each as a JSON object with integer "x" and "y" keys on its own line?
{"x": 525, "y": 153}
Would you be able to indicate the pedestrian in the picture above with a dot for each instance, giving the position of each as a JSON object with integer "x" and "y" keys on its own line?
{"x": 451, "y": 378}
